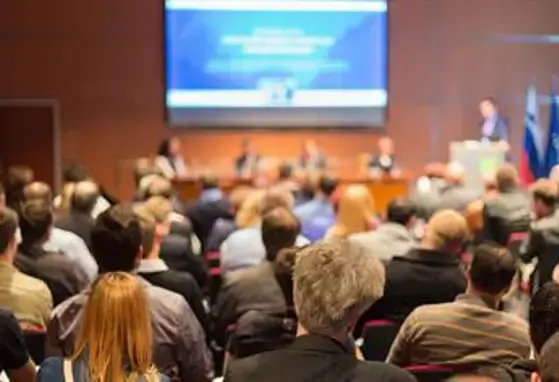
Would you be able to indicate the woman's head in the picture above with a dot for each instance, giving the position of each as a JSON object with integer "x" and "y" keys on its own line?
{"x": 116, "y": 335}
{"x": 170, "y": 147}
{"x": 355, "y": 211}
{"x": 248, "y": 213}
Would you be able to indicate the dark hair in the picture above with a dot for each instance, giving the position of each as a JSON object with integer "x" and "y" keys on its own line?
{"x": 8, "y": 227}
{"x": 84, "y": 198}
{"x": 544, "y": 314}
{"x": 116, "y": 239}
{"x": 164, "y": 148}
{"x": 492, "y": 268}
{"x": 17, "y": 178}
{"x": 74, "y": 173}
{"x": 209, "y": 182}
{"x": 327, "y": 185}
{"x": 547, "y": 362}
{"x": 35, "y": 220}
{"x": 492, "y": 100}
{"x": 285, "y": 171}
{"x": 280, "y": 228}
{"x": 401, "y": 211}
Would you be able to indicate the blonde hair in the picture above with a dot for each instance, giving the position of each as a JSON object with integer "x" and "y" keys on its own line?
{"x": 355, "y": 212}
{"x": 159, "y": 207}
{"x": 249, "y": 212}
{"x": 474, "y": 216}
{"x": 446, "y": 229}
{"x": 116, "y": 331}
{"x": 148, "y": 226}
{"x": 334, "y": 283}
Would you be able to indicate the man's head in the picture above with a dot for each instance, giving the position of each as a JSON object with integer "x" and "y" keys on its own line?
{"x": 38, "y": 190}
{"x": 160, "y": 187}
{"x": 544, "y": 195}
{"x": 333, "y": 285}
{"x": 544, "y": 314}
{"x": 8, "y": 229}
{"x": 285, "y": 171}
{"x": 401, "y": 211}
{"x": 455, "y": 173}
{"x": 208, "y": 182}
{"x": 327, "y": 185}
{"x": 446, "y": 231}
{"x": 84, "y": 197}
{"x": 116, "y": 239}
{"x": 74, "y": 173}
{"x": 279, "y": 230}
{"x": 148, "y": 226}
{"x": 17, "y": 178}
{"x": 492, "y": 270}
{"x": 35, "y": 221}
{"x": 276, "y": 197}
{"x": 160, "y": 209}
{"x": 488, "y": 107}
{"x": 548, "y": 367}
{"x": 506, "y": 177}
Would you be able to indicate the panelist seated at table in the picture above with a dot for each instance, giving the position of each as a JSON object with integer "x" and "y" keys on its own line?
{"x": 247, "y": 162}
{"x": 311, "y": 158}
{"x": 384, "y": 161}
{"x": 170, "y": 161}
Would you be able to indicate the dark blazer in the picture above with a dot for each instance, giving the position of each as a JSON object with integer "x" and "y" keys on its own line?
{"x": 313, "y": 358}
{"x": 500, "y": 130}
{"x": 79, "y": 223}
{"x": 457, "y": 198}
{"x": 220, "y": 231}
{"x": 177, "y": 253}
{"x": 376, "y": 163}
{"x": 60, "y": 274}
{"x": 543, "y": 243}
{"x": 203, "y": 215}
{"x": 418, "y": 278}
{"x": 507, "y": 213}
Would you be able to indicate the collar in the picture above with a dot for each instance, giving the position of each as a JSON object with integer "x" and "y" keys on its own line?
{"x": 430, "y": 256}
{"x": 152, "y": 266}
{"x": 34, "y": 250}
{"x": 322, "y": 343}
{"x": 211, "y": 195}
{"x": 472, "y": 299}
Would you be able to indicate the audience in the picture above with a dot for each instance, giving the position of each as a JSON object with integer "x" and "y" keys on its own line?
{"x": 244, "y": 248}
{"x": 509, "y": 211}
{"x": 115, "y": 340}
{"x": 427, "y": 193}
{"x": 60, "y": 274}
{"x": 144, "y": 172}
{"x": 427, "y": 274}
{"x": 155, "y": 223}
{"x": 333, "y": 285}
{"x": 179, "y": 345}
{"x": 255, "y": 288}
{"x": 79, "y": 220}
{"x": 542, "y": 242}
{"x": 17, "y": 178}
{"x": 355, "y": 213}
{"x": 456, "y": 196}
{"x": 393, "y": 237}
{"x": 65, "y": 242}
{"x": 159, "y": 186}
{"x": 28, "y": 298}
{"x": 318, "y": 215}
{"x": 471, "y": 331}
{"x": 14, "y": 358}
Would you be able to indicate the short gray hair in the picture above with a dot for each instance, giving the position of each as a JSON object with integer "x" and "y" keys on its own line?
{"x": 333, "y": 284}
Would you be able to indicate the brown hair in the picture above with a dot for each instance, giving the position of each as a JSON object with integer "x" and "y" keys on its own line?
{"x": 546, "y": 191}
{"x": 355, "y": 212}
{"x": 8, "y": 227}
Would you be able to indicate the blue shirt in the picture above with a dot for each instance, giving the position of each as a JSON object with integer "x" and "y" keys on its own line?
{"x": 211, "y": 195}
{"x": 316, "y": 217}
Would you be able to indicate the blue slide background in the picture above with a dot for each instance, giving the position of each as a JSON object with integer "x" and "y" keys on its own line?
{"x": 193, "y": 41}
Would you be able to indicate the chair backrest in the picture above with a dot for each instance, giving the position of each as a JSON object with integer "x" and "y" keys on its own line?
{"x": 431, "y": 373}
{"x": 378, "y": 336}
{"x": 35, "y": 342}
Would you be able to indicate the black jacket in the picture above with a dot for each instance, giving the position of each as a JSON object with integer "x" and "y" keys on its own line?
{"x": 79, "y": 223}
{"x": 177, "y": 253}
{"x": 203, "y": 215}
{"x": 313, "y": 358}
{"x": 507, "y": 213}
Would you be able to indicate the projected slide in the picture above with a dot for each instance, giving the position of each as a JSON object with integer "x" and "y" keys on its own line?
{"x": 287, "y": 60}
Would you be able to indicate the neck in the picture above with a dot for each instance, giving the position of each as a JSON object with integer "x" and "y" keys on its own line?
{"x": 340, "y": 337}
{"x": 154, "y": 254}
{"x": 490, "y": 300}
{"x": 6, "y": 258}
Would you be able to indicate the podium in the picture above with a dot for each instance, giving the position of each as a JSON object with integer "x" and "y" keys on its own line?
{"x": 479, "y": 160}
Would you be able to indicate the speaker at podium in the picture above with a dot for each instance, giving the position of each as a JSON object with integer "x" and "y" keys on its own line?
{"x": 479, "y": 160}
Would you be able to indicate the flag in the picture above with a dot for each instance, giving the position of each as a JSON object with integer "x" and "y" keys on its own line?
{"x": 531, "y": 159}
{"x": 552, "y": 148}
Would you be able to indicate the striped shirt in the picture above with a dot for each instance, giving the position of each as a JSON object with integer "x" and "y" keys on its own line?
{"x": 465, "y": 332}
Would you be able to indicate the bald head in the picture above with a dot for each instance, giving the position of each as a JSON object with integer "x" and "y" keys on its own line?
{"x": 38, "y": 191}
{"x": 455, "y": 173}
{"x": 84, "y": 197}
{"x": 447, "y": 231}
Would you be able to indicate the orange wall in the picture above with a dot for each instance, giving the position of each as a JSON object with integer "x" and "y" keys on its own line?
{"x": 103, "y": 61}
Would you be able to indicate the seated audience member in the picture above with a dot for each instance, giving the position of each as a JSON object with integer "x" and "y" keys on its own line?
{"x": 169, "y": 160}
{"x": 311, "y": 158}
{"x": 456, "y": 196}
{"x": 355, "y": 213}
{"x": 115, "y": 340}
{"x": 179, "y": 347}
{"x": 509, "y": 211}
{"x": 65, "y": 242}
{"x": 14, "y": 358}
{"x": 212, "y": 204}
{"x": 144, "y": 172}
{"x": 163, "y": 187}
{"x": 427, "y": 193}
{"x": 428, "y": 274}
{"x": 471, "y": 331}
{"x": 256, "y": 288}
{"x": 244, "y": 248}
{"x": 28, "y": 298}
{"x": 542, "y": 242}
{"x": 318, "y": 215}
{"x": 17, "y": 178}
{"x": 384, "y": 162}
{"x": 474, "y": 218}
{"x": 247, "y": 162}
{"x": 548, "y": 367}
{"x": 333, "y": 285}
{"x": 393, "y": 237}
{"x": 60, "y": 274}
{"x": 79, "y": 219}
{"x": 155, "y": 225}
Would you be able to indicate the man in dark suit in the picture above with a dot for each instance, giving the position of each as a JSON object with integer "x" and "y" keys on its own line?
{"x": 247, "y": 162}
{"x": 79, "y": 220}
{"x": 456, "y": 196}
{"x": 333, "y": 284}
{"x": 495, "y": 127}
{"x": 384, "y": 162}
{"x": 509, "y": 211}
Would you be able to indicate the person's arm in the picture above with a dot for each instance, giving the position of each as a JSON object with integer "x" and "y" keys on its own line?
{"x": 14, "y": 358}
{"x": 401, "y": 349}
{"x": 193, "y": 295}
{"x": 530, "y": 247}
{"x": 224, "y": 313}
{"x": 80, "y": 255}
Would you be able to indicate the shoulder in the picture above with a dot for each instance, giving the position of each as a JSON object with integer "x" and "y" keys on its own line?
{"x": 247, "y": 275}
{"x": 367, "y": 370}
{"x": 245, "y": 369}
{"x": 31, "y": 283}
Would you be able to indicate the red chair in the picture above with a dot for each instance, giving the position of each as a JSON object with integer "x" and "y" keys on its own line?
{"x": 213, "y": 260}
{"x": 431, "y": 373}
{"x": 378, "y": 336}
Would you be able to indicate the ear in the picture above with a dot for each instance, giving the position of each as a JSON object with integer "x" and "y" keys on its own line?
{"x": 535, "y": 378}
